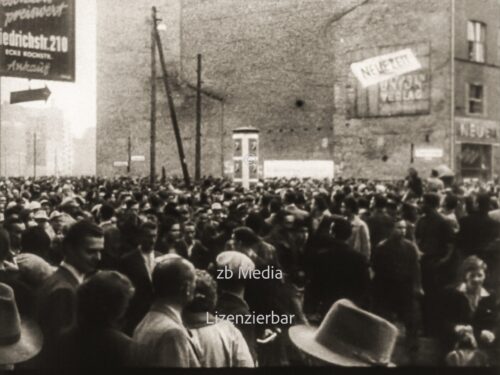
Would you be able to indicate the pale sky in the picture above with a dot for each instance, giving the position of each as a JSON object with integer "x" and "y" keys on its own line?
{"x": 77, "y": 100}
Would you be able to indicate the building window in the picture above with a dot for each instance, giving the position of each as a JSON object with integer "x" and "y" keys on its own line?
{"x": 475, "y": 99}
{"x": 476, "y": 161}
{"x": 476, "y": 37}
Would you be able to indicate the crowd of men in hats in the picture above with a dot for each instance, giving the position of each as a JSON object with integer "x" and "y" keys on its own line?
{"x": 99, "y": 272}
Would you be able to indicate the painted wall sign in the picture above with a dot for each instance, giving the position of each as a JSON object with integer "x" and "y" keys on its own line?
{"x": 37, "y": 39}
{"x": 471, "y": 129}
{"x": 407, "y": 88}
{"x": 399, "y": 95}
{"x": 381, "y": 68}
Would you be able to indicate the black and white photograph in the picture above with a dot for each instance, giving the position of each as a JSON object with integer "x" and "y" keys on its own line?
{"x": 249, "y": 184}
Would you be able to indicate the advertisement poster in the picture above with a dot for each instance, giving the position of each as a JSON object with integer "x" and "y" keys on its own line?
{"x": 37, "y": 39}
{"x": 238, "y": 173}
{"x": 252, "y": 148}
{"x": 237, "y": 148}
{"x": 253, "y": 169}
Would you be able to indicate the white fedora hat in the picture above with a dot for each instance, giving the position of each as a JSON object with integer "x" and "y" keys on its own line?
{"x": 20, "y": 339}
{"x": 348, "y": 336}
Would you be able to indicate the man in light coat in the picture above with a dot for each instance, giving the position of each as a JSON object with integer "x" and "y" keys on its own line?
{"x": 162, "y": 339}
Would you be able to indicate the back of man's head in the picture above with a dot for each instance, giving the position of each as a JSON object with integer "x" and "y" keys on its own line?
{"x": 290, "y": 197}
{"x": 380, "y": 201}
{"x": 483, "y": 203}
{"x": 173, "y": 280}
{"x": 246, "y": 236}
{"x": 431, "y": 200}
{"x": 107, "y": 212}
{"x": 450, "y": 201}
{"x": 79, "y": 231}
{"x": 352, "y": 204}
{"x": 232, "y": 266}
{"x": 341, "y": 229}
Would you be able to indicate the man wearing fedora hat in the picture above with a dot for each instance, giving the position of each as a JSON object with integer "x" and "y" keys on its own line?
{"x": 348, "y": 336}
{"x": 20, "y": 339}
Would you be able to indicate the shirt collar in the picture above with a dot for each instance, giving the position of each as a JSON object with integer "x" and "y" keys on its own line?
{"x": 236, "y": 296}
{"x": 174, "y": 312}
{"x": 167, "y": 309}
{"x": 76, "y": 274}
{"x": 148, "y": 256}
{"x": 462, "y": 288}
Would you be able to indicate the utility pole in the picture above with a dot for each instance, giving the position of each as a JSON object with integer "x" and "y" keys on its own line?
{"x": 173, "y": 115}
{"x": 221, "y": 138}
{"x": 198, "y": 123}
{"x": 55, "y": 163}
{"x": 152, "y": 145}
{"x": 34, "y": 155}
{"x": 0, "y": 118}
{"x": 129, "y": 154}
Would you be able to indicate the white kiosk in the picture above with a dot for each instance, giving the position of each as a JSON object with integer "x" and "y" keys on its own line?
{"x": 246, "y": 156}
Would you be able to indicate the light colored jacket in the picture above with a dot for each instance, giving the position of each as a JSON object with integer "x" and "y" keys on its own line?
{"x": 360, "y": 238}
{"x": 221, "y": 343}
{"x": 163, "y": 341}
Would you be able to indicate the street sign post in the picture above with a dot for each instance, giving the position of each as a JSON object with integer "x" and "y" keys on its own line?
{"x": 29, "y": 95}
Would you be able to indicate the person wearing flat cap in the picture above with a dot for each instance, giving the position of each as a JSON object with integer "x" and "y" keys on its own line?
{"x": 20, "y": 339}
{"x": 231, "y": 298}
{"x": 348, "y": 336}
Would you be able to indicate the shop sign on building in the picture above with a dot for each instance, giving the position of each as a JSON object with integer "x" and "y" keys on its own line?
{"x": 138, "y": 158}
{"x": 37, "y": 39}
{"x": 405, "y": 93}
{"x": 429, "y": 153}
{"x": 477, "y": 130}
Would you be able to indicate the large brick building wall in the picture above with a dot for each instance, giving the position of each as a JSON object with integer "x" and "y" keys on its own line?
{"x": 283, "y": 68}
{"x": 375, "y": 146}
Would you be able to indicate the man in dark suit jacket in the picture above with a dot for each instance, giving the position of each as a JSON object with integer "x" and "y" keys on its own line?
{"x": 56, "y": 307}
{"x": 196, "y": 253}
{"x": 95, "y": 341}
{"x": 138, "y": 266}
{"x": 337, "y": 271}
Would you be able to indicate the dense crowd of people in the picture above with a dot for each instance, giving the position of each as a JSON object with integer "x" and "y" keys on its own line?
{"x": 119, "y": 272}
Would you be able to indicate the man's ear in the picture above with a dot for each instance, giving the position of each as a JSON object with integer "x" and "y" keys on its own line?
{"x": 186, "y": 289}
